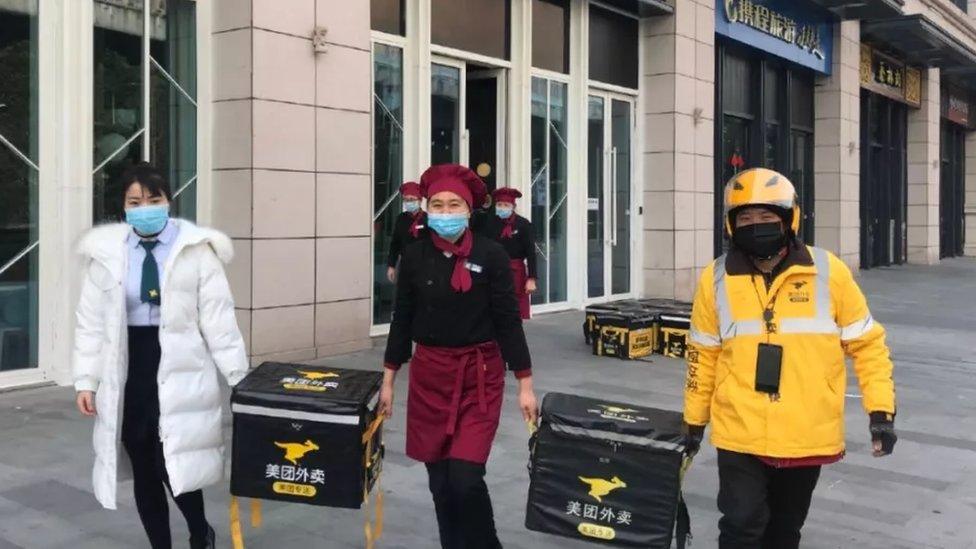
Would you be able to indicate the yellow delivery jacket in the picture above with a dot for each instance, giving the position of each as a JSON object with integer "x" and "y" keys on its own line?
{"x": 819, "y": 317}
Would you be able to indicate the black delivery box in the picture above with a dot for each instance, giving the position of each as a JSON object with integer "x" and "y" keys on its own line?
{"x": 603, "y": 471}
{"x": 298, "y": 435}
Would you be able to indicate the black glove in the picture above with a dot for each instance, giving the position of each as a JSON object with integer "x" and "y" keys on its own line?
{"x": 693, "y": 438}
{"x": 883, "y": 430}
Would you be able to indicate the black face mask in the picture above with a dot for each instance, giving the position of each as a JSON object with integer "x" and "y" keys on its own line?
{"x": 761, "y": 240}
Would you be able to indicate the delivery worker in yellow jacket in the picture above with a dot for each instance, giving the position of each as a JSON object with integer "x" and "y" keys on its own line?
{"x": 772, "y": 323}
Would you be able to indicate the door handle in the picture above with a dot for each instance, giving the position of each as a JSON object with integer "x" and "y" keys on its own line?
{"x": 613, "y": 196}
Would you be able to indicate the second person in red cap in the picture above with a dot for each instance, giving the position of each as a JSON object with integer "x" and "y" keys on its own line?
{"x": 455, "y": 299}
{"x": 516, "y": 235}
{"x": 410, "y": 226}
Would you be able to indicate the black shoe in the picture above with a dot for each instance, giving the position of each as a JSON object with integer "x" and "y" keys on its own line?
{"x": 210, "y": 542}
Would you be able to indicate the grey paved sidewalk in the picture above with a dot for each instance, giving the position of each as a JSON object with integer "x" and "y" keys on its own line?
{"x": 923, "y": 496}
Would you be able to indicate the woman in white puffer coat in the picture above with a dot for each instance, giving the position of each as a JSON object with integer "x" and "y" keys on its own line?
{"x": 155, "y": 324}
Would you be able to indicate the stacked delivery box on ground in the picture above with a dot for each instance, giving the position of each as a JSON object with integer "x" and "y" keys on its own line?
{"x": 632, "y": 328}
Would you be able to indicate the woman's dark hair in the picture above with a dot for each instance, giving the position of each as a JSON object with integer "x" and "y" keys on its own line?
{"x": 150, "y": 177}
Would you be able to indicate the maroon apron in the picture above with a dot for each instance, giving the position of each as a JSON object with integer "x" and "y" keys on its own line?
{"x": 519, "y": 277}
{"x": 454, "y": 403}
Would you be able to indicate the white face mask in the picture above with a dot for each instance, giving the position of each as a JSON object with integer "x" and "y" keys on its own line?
{"x": 411, "y": 206}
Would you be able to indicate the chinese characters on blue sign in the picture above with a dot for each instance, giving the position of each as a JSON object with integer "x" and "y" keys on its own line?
{"x": 790, "y": 29}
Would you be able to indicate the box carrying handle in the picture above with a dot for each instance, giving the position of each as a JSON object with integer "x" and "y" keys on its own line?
{"x": 372, "y": 530}
{"x": 236, "y": 532}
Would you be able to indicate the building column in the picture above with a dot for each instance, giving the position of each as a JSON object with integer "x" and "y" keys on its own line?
{"x": 970, "y": 182}
{"x": 678, "y": 100}
{"x": 923, "y": 173}
{"x": 837, "y": 163}
{"x": 291, "y": 179}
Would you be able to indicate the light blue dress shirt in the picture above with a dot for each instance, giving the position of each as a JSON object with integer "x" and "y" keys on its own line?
{"x": 139, "y": 313}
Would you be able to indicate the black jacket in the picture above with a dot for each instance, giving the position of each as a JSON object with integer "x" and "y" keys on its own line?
{"x": 521, "y": 245}
{"x": 402, "y": 237}
{"x": 429, "y": 311}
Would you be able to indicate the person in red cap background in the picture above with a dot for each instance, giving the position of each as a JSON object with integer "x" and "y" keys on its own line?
{"x": 516, "y": 235}
{"x": 410, "y": 226}
{"x": 455, "y": 299}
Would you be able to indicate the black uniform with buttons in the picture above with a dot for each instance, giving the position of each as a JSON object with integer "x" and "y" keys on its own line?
{"x": 522, "y": 243}
{"x": 430, "y": 312}
{"x": 402, "y": 236}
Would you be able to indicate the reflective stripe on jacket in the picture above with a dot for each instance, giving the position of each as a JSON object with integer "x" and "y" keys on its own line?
{"x": 820, "y": 315}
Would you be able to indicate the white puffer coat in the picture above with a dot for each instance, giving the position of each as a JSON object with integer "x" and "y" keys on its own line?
{"x": 198, "y": 335}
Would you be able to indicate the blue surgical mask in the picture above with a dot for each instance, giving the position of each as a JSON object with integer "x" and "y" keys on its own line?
{"x": 148, "y": 220}
{"x": 411, "y": 206}
{"x": 448, "y": 225}
{"x": 503, "y": 213}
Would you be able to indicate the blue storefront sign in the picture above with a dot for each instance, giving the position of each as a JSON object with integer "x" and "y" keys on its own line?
{"x": 791, "y": 29}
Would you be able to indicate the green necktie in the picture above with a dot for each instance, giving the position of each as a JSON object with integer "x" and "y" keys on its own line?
{"x": 150, "y": 274}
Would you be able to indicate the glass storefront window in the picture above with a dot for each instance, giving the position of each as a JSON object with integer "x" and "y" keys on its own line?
{"x": 614, "y": 45}
{"x": 550, "y": 35}
{"x": 595, "y": 198}
{"x": 549, "y": 189}
{"x": 445, "y": 114}
{"x": 18, "y": 185}
{"x": 136, "y": 118}
{"x": 477, "y": 26}
{"x": 387, "y": 168}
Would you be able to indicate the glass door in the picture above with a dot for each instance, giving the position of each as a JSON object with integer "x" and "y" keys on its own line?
{"x": 447, "y": 134}
{"x": 549, "y": 189}
{"x": 19, "y": 218}
{"x": 609, "y": 196}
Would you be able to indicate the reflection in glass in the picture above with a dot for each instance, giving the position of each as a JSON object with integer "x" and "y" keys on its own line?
{"x": 387, "y": 168}
{"x": 118, "y": 100}
{"x": 595, "y": 203}
{"x": 549, "y": 188}
{"x": 445, "y": 114}
{"x": 558, "y": 191}
{"x": 620, "y": 154}
{"x": 538, "y": 184}
{"x": 173, "y": 110}
{"x": 18, "y": 185}
{"x": 120, "y": 117}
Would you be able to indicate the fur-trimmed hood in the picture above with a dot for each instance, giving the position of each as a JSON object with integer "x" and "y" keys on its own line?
{"x": 105, "y": 242}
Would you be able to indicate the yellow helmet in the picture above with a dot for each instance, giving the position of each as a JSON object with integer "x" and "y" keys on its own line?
{"x": 762, "y": 187}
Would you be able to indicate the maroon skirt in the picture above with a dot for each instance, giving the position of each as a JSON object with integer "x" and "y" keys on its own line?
{"x": 519, "y": 277}
{"x": 454, "y": 402}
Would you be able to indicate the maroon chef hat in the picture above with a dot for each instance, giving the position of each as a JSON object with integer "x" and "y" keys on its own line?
{"x": 456, "y": 179}
{"x": 410, "y": 188}
{"x": 506, "y": 194}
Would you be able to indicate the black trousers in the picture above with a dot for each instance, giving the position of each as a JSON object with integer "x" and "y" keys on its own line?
{"x": 464, "y": 514}
{"x": 762, "y": 507}
{"x": 140, "y": 438}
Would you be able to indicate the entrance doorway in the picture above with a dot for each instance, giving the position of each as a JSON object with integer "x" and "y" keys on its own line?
{"x": 467, "y": 121}
{"x": 884, "y": 184}
{"x": 952, "y": 191}
{"x": 609, "y": 205}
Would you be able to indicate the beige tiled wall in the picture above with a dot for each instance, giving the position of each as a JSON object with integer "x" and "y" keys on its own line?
{"x": 292, "y": 172}
{"x": 837, "y": 162}
{"x": 678, "y": 98}
{"x": 923, "y": 173}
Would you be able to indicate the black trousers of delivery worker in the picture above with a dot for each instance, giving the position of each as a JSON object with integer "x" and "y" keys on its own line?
{"x": 140, "y": 437}
{"x": 763, "y": 507}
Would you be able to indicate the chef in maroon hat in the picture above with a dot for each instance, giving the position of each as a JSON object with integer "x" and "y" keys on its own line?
{"x": 410, "y": 226}
{"x": 515, "y": 234}
{"x": 455, "y": 300}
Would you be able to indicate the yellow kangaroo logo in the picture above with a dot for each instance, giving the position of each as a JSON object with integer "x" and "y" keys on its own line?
{"x": 315, "y": 376}
{"x": 295, "y": 451}
{"x": 600, "y": 487}
{"x": 617, "y": 410}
